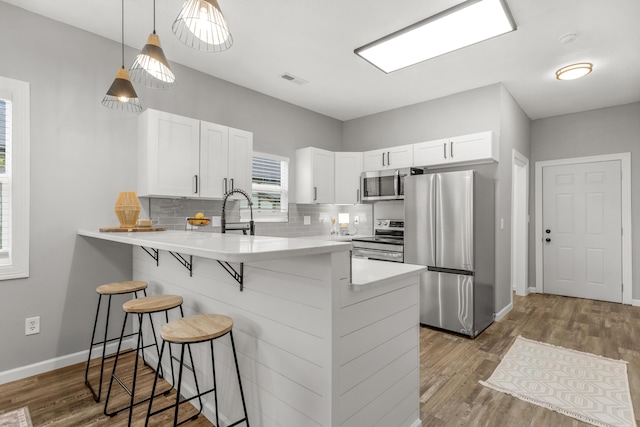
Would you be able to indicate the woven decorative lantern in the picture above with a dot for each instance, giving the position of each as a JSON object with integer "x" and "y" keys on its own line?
{"x": 127, "y": 209}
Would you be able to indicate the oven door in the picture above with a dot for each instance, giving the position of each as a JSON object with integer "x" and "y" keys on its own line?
{"x": 377, "y": 254}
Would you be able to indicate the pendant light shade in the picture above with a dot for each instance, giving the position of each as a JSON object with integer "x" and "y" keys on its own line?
{"x": 151, "y": 67}
{"x": 202, "y": 26}
{"x": 121, "y": 94}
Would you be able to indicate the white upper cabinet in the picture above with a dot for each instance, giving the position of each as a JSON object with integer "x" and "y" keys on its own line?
{"x": 348, "y": 167}
{"x": 184, "y": 157}
{"x": 168, "y": 154}
{"x": 389, "y": 158}
{"x": 314, "y": 176}
{"x": 476, "y": 148}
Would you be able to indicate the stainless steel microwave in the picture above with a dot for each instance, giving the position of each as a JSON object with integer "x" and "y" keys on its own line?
{"x": 386, "y": 184}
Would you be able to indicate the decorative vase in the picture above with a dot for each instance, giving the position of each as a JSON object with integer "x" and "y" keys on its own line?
{"x": 127, "y": 209}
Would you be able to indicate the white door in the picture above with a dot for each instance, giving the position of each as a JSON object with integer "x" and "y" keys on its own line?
{"x": 582, "y": 230}
{"x": 348, "y": 167}
{"x": 240, "y": 159}
{"x": 213, "y": 160}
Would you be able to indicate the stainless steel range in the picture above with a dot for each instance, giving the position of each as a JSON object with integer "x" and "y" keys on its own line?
{"x": 387, "y": 243}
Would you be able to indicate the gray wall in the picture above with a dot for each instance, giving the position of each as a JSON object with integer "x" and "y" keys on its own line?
{"x": 603, "y": 131}
{"x": 83, "y": 155}
{"x": 487, "y": 108}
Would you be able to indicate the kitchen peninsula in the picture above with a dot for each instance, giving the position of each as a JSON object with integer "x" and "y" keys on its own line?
{"x": 322, "y": 340}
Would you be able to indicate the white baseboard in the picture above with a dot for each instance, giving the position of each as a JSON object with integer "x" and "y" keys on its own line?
{"x": 57, "y": 363}
{"x": 499, "y": 315}
{"x": 417, "y": 423}
{"x": 635, "y": 302}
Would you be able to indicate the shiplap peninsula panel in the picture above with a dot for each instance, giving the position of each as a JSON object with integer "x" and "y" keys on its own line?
{"x": 313, "y": 350}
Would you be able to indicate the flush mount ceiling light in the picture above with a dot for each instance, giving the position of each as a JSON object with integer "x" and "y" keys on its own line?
{"x": 121, "y": 95}
{"x": 463, "y": 25}
{"x": 151, "y": 67}
{"x": 202, "y": 26}
{"x": 574, "y": 71}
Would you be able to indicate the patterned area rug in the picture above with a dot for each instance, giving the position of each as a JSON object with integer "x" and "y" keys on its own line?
{"x": 586, "y": 387}
{"x": 18, "y": 418}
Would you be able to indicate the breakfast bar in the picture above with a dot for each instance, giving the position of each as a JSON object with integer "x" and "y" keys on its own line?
{"x": 322, "y": 340}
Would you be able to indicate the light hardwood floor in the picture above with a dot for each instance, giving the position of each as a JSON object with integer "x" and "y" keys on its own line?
{"x": 451, "y": 367}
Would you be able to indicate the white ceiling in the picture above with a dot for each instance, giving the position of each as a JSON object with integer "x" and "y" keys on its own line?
{"x": 314, "y": 40}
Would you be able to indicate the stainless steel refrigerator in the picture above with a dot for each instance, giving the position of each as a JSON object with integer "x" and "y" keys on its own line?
{"x": 449, "y": 227}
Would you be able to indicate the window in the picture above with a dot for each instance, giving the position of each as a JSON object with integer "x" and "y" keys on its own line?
{"x": 269, "y": 189}
{"x": 14, "y": 179}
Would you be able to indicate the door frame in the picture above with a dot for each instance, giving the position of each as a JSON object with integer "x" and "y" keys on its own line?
{"x": 519, "y": 238}
{"x": 625, "y": 163}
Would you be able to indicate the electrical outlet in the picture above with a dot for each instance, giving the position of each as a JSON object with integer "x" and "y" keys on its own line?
{"x": 32, "y": 325}
{"x": 307, "y": 220}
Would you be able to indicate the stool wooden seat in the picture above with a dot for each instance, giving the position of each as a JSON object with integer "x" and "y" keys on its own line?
{"x": 108, "y": 290}
{"x": 152, "y": 304}
{"x": 203, "y": 327}
{"x": 140, "y": 307}
{"x": 186, "y": 332}
{"x": 118, "y": 288}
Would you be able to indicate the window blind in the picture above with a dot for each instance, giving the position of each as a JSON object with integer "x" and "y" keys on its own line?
{"x": 5, "y": 179}
{"x": 269, "y": 189}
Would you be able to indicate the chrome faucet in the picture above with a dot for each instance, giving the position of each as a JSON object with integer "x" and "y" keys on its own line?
{"x": 245, "y": 226}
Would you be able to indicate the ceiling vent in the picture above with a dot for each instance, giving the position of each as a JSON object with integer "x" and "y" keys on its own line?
{"x": 291, "y": 78}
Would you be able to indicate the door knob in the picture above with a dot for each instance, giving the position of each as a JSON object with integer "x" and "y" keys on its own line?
{"x": 547, "y": 231}
{"x": 547, "y": 240}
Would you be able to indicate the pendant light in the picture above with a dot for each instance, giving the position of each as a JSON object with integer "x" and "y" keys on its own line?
{"x": 121, "y": 95}
{"x": 202, "y": 26}
{"x": 151, "y": 67}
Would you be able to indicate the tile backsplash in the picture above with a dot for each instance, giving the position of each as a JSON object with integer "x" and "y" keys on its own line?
{"x": 172, "y": 213}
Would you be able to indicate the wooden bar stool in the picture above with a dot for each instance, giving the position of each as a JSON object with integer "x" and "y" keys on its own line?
{"x": 140, "y": 307}
{"x": 192, "y": 330}
{"x": 109, "y": 290}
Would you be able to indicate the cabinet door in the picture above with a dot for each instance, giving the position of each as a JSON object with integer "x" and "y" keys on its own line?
{"x": 373, "y": 160}
{"x": 323, "y": 175}
{"x": 431, "y": 152}
{"x": 214, "y": 143}
{"x": 348, "y": 167}
{"x": 399, "y": 157}
{"x": 170, "y": 152}
{"x": 474, "y": 147}
{"x": 240, "y": 159}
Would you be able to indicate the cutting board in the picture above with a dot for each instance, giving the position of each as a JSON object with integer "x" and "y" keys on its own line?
{"x": 131, "y": 230}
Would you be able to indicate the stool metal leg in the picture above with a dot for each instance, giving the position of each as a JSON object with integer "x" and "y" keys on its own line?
{"x": 96, "y": 397}
{"x": 155, "y": 382}
{"x": 115, "y": 364}
{"x": 244, "y": 405}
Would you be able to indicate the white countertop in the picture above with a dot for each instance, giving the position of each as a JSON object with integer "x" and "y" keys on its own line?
{"x": 223, "y": 247}
{"x": 366, "y": 272}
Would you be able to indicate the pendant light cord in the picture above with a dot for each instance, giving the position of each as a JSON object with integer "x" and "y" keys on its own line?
{"x": 154, "y": 16}
{"x": 122, "y": 39}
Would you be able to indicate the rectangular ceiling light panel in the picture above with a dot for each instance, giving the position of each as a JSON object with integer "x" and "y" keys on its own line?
{"x": 465, "y": 24}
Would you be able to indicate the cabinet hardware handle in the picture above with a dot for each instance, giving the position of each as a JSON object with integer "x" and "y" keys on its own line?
{"x": 357, "y": 195}
{"x": 195, "y": 178}
{"x": 231, "y": 184}
{"x": 444, "y": 149}
{"x": 224, "y": 180}
{"x": 451, "y": 148}
{"x": 388, "y": 158}
{"x": 315, "y": 193}
{"x": 383, "y": 159}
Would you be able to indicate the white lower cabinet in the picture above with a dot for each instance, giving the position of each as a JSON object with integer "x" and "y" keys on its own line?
{"x": 314, "y": 176}
{"x": 348, "y": 167}
{"x": 184, "y": 157}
